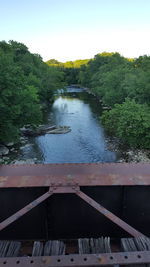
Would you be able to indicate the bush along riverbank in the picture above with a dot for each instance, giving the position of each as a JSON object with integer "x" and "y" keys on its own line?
{"x": 132, "y": 120}
{"x": 129, "y": 122}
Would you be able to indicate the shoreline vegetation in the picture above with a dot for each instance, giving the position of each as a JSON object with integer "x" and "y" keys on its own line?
{"x": 122, "y": 85}
{"x": 128, "y": 154}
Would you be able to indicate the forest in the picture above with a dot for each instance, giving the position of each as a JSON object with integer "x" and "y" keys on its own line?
{"x": 123, "y": 85}
{"x": 27, "y": 85}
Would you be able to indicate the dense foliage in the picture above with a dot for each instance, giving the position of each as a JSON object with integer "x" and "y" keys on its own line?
{"x": 126, "y": 82}
{"x": 71, "y": 69}
{"x": 129, "y": 121}
{"x": 26, "y": 82}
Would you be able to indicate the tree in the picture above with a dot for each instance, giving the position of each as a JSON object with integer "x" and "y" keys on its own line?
{"x": 130, "y": 122}
{"x": 25, "y": 83}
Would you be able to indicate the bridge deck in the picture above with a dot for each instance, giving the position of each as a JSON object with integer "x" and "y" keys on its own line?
{"x": 93, "y": 174}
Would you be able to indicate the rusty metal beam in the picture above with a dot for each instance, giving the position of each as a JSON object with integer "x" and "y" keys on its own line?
{"x": 129, "y": 229}
{"x": 75, "y": 260}
{"x": 64, "y": 189}
{"x": 93, "y": 174}
{"x": 24, "y": 210}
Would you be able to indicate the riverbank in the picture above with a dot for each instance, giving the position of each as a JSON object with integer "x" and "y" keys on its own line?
{"x": 87, "y": 142}
{"x": 9, "y": 150}
{"x": 134, "y": 156}
{"x": 128, "y": 155}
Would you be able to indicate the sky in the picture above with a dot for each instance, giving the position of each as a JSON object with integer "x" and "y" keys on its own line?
{"x": 77, "y": 29}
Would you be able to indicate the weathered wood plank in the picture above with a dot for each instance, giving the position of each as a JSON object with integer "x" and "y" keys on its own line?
{"x": 94, "y": 245}
{"x": 9, "y": 248}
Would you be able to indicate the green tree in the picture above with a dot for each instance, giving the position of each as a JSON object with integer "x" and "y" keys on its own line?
{"x": 130, "y": 122}
{"x": 25, "y": 83}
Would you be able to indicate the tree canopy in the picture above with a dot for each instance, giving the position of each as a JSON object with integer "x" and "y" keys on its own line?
{"x": 123, "y": 85}
{"x": 130, "y": 122}
{"x": 25, "y": 83}
{"x": 71, "y": 69}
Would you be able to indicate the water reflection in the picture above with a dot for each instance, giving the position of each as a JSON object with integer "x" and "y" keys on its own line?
{"x": 86, "y": 141}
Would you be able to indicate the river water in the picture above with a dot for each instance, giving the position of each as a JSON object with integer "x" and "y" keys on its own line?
{"x": 87, "y": 141}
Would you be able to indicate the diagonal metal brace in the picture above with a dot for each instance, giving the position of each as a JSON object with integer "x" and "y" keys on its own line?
{"x": 129, "y": 229}
{"x": 24, "y": 210}
{"x": 71, "y": 189}
{"x": 53, "y": 189}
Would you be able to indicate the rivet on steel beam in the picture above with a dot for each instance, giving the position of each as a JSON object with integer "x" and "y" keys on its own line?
{"x": 43, "y": 260}
{"x": 69, "y": 176}
{"x": 99, "y": 259}
{"x": 50, "y": 190}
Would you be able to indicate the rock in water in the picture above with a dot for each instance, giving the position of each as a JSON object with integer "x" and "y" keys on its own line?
{"x": 3, "y": 150}
{"x": 45, "y": 130}
{"x": 10, "y": 144}
{"x": 26, "y": 161}
{"x": 60, "y": 130}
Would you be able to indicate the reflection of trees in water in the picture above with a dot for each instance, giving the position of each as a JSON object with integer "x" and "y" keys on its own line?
{"x": 60, "y": 108}
{"x": 89, "y": 99}
{"x": 59, "y": 111}
{"x": 37, "y": 149}
{"x": 54, "y": 112}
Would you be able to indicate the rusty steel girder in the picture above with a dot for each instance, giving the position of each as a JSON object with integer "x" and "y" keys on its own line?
{"x": 119, "y": 258}
{"x": 90, "y": 174}
{"x": 72, "y": 179}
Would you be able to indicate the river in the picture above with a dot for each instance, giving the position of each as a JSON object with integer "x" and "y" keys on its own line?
{"x": 87, "y": 141}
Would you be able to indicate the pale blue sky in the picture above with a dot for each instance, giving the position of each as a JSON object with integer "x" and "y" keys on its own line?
{"x": 77, "y": 29}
